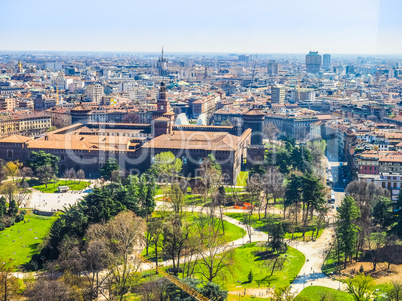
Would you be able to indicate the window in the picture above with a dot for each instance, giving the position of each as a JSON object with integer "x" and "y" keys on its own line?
{"x": 9, "y": 154}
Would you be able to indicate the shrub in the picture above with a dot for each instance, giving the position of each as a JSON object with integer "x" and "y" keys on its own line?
{"x": 250, "y": 276}
{"x": 2, "y": 226}
{"x": 20, "y": 217}
{"x": 23, "y": 212}
{"x": 8, "y": 221}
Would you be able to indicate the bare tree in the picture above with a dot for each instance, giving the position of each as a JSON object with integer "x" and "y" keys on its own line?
{"x": 69, "y": 174}
{"x": 80, "y": 175}
{"x": 120, "y": 236}
{"x": 216, "y": 255}
{"x": 23, "y": 195}
{"x": 248, "y": 220}
{"x": 270, "y": 131}
{"x": 50, "y": 290}
{"x": 175, "y": 237}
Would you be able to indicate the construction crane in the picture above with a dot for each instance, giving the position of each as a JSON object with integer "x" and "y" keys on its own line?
{"x": 252, "y": 78}
{"x": 189, "y": 290}
{"x": 298, "y": 88}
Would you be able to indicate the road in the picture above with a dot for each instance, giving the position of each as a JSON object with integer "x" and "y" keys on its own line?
{"x": 339, "y": 174}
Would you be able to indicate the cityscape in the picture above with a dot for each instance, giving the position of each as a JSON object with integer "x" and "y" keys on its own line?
{"x": 253, "y": 153}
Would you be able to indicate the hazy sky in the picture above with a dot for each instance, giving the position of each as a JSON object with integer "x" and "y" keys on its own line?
{"x": 250, "y": 26}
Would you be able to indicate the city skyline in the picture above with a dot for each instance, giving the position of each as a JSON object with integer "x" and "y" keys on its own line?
{"x": 358, "y": 27}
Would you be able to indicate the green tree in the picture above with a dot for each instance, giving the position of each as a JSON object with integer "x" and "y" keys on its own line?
{"x": 347, "y": 227}
{"x": 394, "y": 291}
{"x": 41, "y": 159}
{"x": 250, "y": 276}
{"x": 108, "y": 168}
{"x": 3, "y": 206}
{"x": 293, "y": 193}
{"x": 360, "y": 287}
{"x": 150, "y": 202}
{"x": 45, "y": 174}
{"x": 166, "y": 164}
{"x": 382, "y": 212}
{"x": 302, "y": 159}
{"x": 51, "y": 129}
{"x": 277, "y": 236}
{"x": 12, "y": 208}
{"x": 313, "y": 197}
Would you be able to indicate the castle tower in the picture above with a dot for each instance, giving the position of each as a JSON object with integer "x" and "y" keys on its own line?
{"x": 254, "y": 120}
{"x": 163, "y": 117}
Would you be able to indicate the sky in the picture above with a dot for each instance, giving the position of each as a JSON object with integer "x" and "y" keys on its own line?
{"x": 228, "y": 26}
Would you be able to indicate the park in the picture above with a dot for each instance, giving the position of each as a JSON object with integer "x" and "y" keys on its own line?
{"x": 255, "y": 240}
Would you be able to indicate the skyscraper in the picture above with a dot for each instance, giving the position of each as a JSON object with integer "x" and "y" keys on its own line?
{"x": 326, "y": 61}
{"x": 313, "y": 62}
{"x": 273, "y": 68}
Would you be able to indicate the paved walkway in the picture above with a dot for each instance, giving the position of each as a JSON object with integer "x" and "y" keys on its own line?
{"x": 311, "y": 273}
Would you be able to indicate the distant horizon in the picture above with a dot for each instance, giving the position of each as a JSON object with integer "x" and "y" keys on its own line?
{"x": 370, "y": 27}
{"x": 186, "y": 53}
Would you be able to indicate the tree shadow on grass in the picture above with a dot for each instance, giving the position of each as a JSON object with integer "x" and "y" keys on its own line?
{"x": 34, "y": 246}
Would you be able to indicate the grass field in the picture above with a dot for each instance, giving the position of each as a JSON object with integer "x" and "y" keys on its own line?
{"x": 52, "y": 187}
{"x": 249, "y": 257}
{"x": 260, "y": 224}
{"x": 242, "y": 178}
{"x": 232, "y": 233}
{"x": 29, "y": 234}
{"x": 331, "y": 263}
{"x": 315, "y": 293}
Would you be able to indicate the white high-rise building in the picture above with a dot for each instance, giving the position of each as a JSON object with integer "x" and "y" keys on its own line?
{"x": 278, "y": 94}
{"x": 95, "y": 93}
{"x": 137, "y": 93}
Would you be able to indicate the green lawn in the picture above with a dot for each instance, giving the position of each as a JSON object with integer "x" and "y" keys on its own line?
{"x": 52, "y": 187}
{"x": 231, "y": 190}
{"x": 253, "y": 257}
{"x": 315, "y": 293}
{"x": 331, "y": 263}
{"x": 260, "y": 224}
{"x": 242, "y": 178}
{"x": 29, "y": 234}
{"x": 232, "y": 233}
